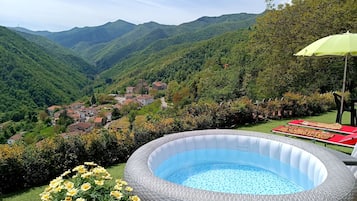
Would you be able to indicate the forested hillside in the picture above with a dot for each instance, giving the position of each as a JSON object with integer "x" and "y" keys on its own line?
{"x": 91, "y": 35}
{"x": 61, "y": 53}
{"x": 155, "y": 37}
{"x": 113, "y": 42}
{"x": 210, "y": 69}
{"x": 257, "y": 62}
{"x": 31, "y": 78}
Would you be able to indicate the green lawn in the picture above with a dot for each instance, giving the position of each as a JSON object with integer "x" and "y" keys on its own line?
{"x": 116, "y": 171}
{"x": 39, "y": 132}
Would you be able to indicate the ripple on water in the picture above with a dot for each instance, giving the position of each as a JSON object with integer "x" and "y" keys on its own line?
{"x": 234, "y": 178}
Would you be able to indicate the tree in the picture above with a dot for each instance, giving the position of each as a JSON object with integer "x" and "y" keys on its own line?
{"x": 116, "y": 114}
{"x": 131, "y": 118}
{"x": 93, "y": 100}
{"x": 280, "y": 33}
{"x": 172, "y": 87}
{"x": 32, "y": 116}
{"x": 43, "y": 116}
{"x": 63, "y": 121}
{"x": 18, "y": 116}
{"x": 269, "y": 4}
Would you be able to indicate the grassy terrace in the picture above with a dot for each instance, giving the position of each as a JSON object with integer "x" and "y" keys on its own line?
{"x": 116, "y": 171}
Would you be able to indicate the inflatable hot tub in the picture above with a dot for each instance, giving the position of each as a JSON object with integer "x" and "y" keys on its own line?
{"x": 330, "y": 178}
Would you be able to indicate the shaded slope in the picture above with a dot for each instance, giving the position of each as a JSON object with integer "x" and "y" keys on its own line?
{"x": 31, "y": 78}
{"x": 61, "y": 53}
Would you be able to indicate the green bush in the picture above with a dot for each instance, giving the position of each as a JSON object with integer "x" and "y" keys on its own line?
{"x": 242, "y": 111}
{"x": 37, "y": 164}
{"x": 11, "y": 175}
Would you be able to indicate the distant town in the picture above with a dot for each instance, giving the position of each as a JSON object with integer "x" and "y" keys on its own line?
{"x": 86, "y": 118}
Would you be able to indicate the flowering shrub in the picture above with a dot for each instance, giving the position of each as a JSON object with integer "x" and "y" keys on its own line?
{"x": 86, "y": 183}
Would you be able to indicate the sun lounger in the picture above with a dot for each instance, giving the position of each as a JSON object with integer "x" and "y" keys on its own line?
{"x": 323, "y": 126}
{"x": 337, "y": 139}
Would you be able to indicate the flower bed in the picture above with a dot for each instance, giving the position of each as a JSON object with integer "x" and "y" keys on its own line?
{"x": 88, "y": 182}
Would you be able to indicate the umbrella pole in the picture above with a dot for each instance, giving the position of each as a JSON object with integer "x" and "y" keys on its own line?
{"x": 343, "y": 87}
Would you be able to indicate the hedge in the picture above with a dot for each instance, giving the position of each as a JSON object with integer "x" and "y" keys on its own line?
{"x": 26, "y": 166}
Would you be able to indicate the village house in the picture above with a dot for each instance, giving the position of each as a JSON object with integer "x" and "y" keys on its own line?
{"x": 52, "y": 109}
{"x": 99, "y": 122}
{"x": 14, "y": 138}
{"x": 128, "y": 96}
{"x": 89, "y": 112}
{"x": 130, "y": 101}
{"x": 80, "y": 127}
{"x": 76, "y": 106}
{"x": 75, "y": 115}
{"x": 159, "y": 85}
{"x": 145, "y": 99}
{"x": 120, "y": 99}
{"x": 130, "y": 90}
{"x": 86, "y": 114}
{"x": 108, "y": 116}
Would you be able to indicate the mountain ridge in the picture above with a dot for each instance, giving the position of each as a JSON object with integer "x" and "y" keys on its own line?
{"x": 111, "y": 49}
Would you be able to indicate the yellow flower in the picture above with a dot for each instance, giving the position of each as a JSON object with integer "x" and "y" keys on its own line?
{"x": 87, "y": 175}
{"x": 134, "y": 198}
{"x": 100, "y": 171}
{"x": 116, "y": 194}
{"x": 118, "y": 187}
{"x": 48, "y": 189}
{"x": 58, "y": 189}
{"x": 56, "y": 182}
{"x": 45, "y": 196}
{"x": 72, "y": 192}
{"x": 85, "y": 186}
{"x": 128, "y": 188}
{"x": 119, "y": 181}
{"x": 99, "y": 182}
{"x": 107, "y": 177}
{"x": 66, "y": 189}
{"x": 68, "y": 185}
{"x": 65, "y": 173}
{"x": 90, "y": 163}
{"x": 68, "y": 199}
{"x": 81, "y": 169}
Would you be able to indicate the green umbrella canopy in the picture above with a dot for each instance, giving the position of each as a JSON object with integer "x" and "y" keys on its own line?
{"x": 334, "y": 45}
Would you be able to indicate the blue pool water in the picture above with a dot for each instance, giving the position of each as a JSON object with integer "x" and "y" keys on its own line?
{"x": 232, "y": 171}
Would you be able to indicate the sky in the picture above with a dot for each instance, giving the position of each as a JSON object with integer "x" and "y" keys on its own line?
{"x": 60, "y": 15}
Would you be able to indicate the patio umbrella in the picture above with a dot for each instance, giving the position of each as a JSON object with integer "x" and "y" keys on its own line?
{"x": 334, "y": 45}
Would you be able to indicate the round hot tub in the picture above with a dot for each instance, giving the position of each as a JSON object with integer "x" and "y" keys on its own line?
{"x": 320, "y": 174}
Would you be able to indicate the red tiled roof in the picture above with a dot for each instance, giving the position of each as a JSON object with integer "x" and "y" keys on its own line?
{"x": 16, "y": 137}
{"x": 54, "y": 107}
{"x": 145, "y": 97}
{"x": 98, "y": 120}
